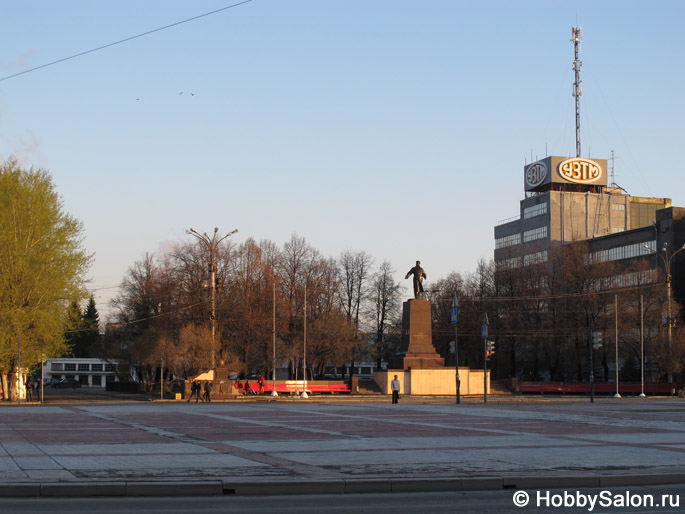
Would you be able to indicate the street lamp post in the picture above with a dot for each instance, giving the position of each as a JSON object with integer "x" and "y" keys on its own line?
{"x": 667, "y": 265}
{"x": 304, "y": 348}
{"x": 212, "y": 244}
{"x": 273, "y": 371}
{"x": 617, "y": 395}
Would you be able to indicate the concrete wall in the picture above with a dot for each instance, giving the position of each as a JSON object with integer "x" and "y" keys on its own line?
{"x": 440, "y": 381}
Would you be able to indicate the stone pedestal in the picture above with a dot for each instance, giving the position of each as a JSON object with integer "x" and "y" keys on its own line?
{"x": 417, "y": 350}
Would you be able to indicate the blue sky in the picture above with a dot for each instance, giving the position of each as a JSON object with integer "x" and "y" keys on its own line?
{"x": 396, "y": 127}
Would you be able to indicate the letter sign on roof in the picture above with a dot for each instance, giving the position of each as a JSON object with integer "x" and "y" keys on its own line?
{"x": 536, "y": 174}
{"x": 580, "y": 171}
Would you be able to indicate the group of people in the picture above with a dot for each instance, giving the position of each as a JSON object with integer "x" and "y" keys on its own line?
{"x": 32, "y": 389}
{"x": 247, "y": 387}
{"x": 203, "y": 393}
{"x": 196, "y": 388}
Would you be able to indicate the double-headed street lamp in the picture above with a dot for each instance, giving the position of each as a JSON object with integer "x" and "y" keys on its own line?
{"x": 667, "y": 264}
{"x": 212, "y": 244}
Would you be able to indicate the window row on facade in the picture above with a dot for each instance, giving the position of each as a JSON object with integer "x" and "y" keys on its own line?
{"x": 526, "y": 260}
{"x": 535, "y": 210}
{"x": 624, "y": 252}
{"x": 527, "y": 236}
{"x": 72, "y": 366}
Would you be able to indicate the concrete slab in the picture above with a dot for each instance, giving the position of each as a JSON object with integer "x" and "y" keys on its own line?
{"x": 271, "y": 487}
{"x": 187, "y": 488}
{"x": 287, "y": 447}
{"x": 82, "y": 489}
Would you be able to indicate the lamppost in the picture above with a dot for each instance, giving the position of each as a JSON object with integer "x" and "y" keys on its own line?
{"x": 273, "y": 372}
{"x": 304, "y": 348}
{"x": 667, "y": 265}
{"x": 212, "y": 244}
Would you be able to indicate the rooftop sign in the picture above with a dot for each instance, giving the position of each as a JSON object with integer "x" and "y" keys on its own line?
{"x": 540, "y": 175}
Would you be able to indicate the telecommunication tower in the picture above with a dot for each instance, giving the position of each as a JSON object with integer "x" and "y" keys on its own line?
{"x": 577, "y": 37}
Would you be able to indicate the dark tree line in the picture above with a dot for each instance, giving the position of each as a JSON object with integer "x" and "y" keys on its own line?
{"x": 554, "y": 319}
{"x": 163, "y": 309}
{"x": 559, "y": 319}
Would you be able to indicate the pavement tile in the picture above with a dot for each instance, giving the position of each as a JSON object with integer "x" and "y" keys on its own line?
{"x": 30, "y": 463}
{"x": 329, "y": 445}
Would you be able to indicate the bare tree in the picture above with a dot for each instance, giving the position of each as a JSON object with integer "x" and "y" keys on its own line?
{"x": 385, "y": 304}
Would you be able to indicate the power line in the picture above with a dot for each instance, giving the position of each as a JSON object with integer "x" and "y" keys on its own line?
{"x": 124, "y": 40}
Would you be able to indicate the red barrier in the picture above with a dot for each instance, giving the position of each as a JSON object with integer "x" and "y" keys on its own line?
{"x": 297, "y": 386}
{"x": 600, "y": 387}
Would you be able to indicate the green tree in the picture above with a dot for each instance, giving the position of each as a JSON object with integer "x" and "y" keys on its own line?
{"x": 42, "y": 266}
{"x": 83, "y": 331}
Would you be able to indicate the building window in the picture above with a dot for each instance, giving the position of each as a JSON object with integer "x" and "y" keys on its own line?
{"x": 109, "y": 367}
{"x": 56, "y": 366}
{"x": 83, "y": 367}
{"x": 96, "y": 381}
{"x": 505, "y": 264}
{"x": 536, "y": 233}
{"x": 505, "y": 241}
{"x": 624, "y": 252}
{"x": 69, "y": 366}
{"x": 535, "y": 258}
{"x": 618, "y": 206}
{"x": 535, "y": 210}
{"x": 96, "y": 367}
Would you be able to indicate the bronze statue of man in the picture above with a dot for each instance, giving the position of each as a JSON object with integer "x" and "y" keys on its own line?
{"x": 419, "y": 275}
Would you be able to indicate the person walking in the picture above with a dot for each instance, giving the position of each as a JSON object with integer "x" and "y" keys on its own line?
{"x": 29, "y": 389}
{"x": 194, "y": 391}
{"x": 395, "y": 388}
{"x": 208, "y": 391}
{"x": 261, "y": 384}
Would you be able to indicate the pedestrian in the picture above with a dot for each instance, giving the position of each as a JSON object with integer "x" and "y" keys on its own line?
{"x": 248, "y": 388}
{"x": 39, "y": 389}
{"x": 261, "y": 384}
{"x": 194, "y": 391}
{"x": 208, "y": 391}
{"x": 29, "y": 389}
{"x": 395, "y": 387}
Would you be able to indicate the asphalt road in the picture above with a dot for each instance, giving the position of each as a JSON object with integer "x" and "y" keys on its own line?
{"x": 475, "y": 502}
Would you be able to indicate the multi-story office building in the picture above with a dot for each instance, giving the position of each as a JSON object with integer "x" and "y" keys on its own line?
{"x": 568, "y": 200}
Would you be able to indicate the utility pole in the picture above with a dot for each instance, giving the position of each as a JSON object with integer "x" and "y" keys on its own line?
{"x": 211, "y": 245}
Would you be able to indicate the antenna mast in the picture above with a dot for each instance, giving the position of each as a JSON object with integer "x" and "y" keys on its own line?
{"x": 577, "y": 37}
{"x": 611, "y": 160}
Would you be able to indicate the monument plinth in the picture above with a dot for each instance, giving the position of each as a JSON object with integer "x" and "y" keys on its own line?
{"x": 417, "y": 350}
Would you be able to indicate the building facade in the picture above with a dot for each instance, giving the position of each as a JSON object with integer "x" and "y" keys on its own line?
{"x": 568, "y": 200}
{"x": 88, "y": 372}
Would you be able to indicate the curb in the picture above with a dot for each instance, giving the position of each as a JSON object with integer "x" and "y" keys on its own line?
{"x": 306, "y": 487}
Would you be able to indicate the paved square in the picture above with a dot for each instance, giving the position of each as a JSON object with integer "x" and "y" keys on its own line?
{"x": 338, "y": 439}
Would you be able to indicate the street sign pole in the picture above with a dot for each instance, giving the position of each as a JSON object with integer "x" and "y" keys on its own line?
{"x": 454, "y": 316}
{"x": 484, "y": 335}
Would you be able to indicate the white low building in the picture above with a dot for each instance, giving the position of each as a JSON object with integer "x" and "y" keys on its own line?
{"x": 88, "y": 372}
